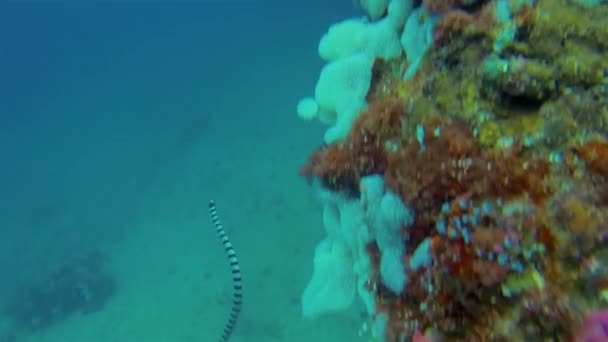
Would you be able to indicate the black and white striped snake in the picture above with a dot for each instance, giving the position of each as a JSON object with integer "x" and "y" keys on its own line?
{"x": 237, "y": 283}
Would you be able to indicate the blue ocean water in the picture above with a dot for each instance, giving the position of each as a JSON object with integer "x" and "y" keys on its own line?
{"x": 118, "y": 122}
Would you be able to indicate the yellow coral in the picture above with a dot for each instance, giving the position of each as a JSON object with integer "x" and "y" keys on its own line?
{"x": 489, "y": 133}
{"x": 523, "y": 126}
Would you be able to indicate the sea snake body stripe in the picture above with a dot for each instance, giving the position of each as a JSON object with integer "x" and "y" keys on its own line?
{"x": 237, "y": 283}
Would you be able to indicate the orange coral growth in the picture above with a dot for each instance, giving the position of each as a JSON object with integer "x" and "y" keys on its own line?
{"x": 595, "y": 155}
{"x": 446, "y": 164}
{"x": 472, "y": 271}
{"x": 525, "y": 18}
{"x": 451, "y": 25}
{"x": 545, "y": 237}
{"x": 489, "y": 273}
{"x": 452, "y": 163}
{"x": 513, "y": 175}
{"x": 381, "y": 121}
{"x": 488, "y": 238}
{"x": 484, "y": 18}
{"x": 438, "y": 6}
{"x": 341, "y": 166}
{"x": 458, "y": 259}
{"x": 441, "y": 169}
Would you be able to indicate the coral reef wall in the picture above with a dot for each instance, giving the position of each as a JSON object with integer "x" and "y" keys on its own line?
{"x": 489, "y": 128}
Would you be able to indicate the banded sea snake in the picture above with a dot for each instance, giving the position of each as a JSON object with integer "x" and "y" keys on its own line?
{"x": 237, "y": 282}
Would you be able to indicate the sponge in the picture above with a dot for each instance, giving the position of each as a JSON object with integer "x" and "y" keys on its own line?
{"x": 379, "y": 39}
{"x": 341, "y": 91}
{"x": 388, "y": 215}
{"x": 308, "y": 108}
{"x": 342, "y": 265}
{"x": 333, "y": 285}
{"x": 417, "y": 38}
{"x": 392, "y": 270}
{"x": 374, "y": 8}
{"x": 397, "y": 13}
